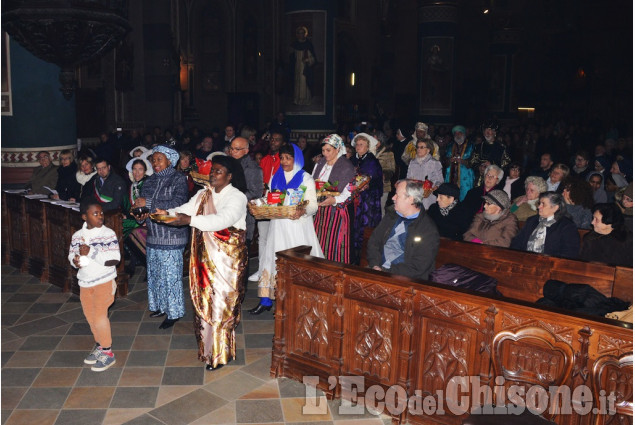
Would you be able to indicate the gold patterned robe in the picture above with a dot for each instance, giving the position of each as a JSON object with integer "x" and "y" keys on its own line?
{"x": 218, "y": 263}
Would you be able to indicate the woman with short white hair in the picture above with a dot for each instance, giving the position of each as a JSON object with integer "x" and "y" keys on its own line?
{"x": 526, "y": 206}
{"x": 493, "y": 179}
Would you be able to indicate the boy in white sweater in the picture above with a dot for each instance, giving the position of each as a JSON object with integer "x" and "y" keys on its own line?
{"x": 95, "y": 252}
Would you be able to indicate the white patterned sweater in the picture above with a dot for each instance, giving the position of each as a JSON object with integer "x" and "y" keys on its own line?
{"x": 103, "y": 247}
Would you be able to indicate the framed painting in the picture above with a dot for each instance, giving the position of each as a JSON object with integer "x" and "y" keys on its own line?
{"x": 435, "y": 97}
{"x": 302, "y": 76}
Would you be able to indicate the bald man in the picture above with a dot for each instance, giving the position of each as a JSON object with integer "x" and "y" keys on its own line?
{"x": 239, "y": 150}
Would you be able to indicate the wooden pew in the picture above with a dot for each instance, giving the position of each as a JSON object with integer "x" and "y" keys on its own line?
{"x": 334, "y": 320}
{"x": 521, "y": 274}
{"x": 39, "y": 236}
{"x": 18, "y": 246}
{"x": 581, "y": 232}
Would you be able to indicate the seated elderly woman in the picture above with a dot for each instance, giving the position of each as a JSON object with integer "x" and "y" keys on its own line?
{"x": 448, "y": 213}
{"x": 526, "y": 206}
{"x": 473, "y": 201}
{"x": 495, "y": 226}
{"x": 578, "y": 197}
{"x": 609, "y": 242}
{"x": 67, "y": 186}
{"x": 550, "y": 232}
{"x": 558, "y": 173}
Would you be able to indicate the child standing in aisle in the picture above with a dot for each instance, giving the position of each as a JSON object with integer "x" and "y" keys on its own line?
{"x": 95, "y": 252}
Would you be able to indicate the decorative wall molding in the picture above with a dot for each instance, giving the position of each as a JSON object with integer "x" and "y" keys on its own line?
{"x": 26, "y": 157}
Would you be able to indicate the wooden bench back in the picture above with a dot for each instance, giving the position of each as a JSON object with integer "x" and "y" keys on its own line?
{"x": 521, "y": 275}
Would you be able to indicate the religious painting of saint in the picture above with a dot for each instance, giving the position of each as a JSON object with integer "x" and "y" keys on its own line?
{"x": 304, "y": 77}
{"x": 436, "y": 76}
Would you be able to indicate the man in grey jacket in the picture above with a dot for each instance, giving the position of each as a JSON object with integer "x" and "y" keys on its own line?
{"x": 239, "y": 150}
{"x": 406, "y": 241}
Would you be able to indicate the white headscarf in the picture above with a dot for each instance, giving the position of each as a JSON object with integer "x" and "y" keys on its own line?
{"x": 149, "y": 170}
{"x": 372, "y": 142}
{"x": 337, "y": 142}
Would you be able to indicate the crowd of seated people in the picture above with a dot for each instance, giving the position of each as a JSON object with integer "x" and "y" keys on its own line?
{"x": 528, "y": 186}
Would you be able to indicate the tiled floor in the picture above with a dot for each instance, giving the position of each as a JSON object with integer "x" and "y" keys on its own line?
{"x": 157, "y": 378}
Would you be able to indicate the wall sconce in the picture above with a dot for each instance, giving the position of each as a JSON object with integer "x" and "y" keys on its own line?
{"x": 183, "y": 76}
{"x": 352, "y": 79}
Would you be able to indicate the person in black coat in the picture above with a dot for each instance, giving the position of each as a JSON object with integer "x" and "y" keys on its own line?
{"x": 514, "y": 183}
{"x": 550, "y": 232}
{"x": 448, "y": 213}
{"x": 473, "y": 201}
{"x": 406, "y": 241}
{"x": 609, "y": 242}
{"x": 67, "y": 187}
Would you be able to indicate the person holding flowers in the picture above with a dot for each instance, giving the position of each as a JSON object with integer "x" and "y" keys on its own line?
{"x": 334, "y": 218}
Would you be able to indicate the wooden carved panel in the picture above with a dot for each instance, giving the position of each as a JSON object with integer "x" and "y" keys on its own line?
{"x": 375, "y": 293}
{"x": 447, "y": 351}
{"x": 311, "y": 278}
{"x": 444, "y": 308}
{"x": 513, "y": 322}
{"x": 615, "y": 376}
{"x": 615, "y": 346}
{"x": 311, "y": 324}
{"x": 532, "y": 356}
{"x": 370, "y": 341}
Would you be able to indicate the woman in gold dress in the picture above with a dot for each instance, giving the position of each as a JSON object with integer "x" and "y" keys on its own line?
{"x": 218, "y": 259}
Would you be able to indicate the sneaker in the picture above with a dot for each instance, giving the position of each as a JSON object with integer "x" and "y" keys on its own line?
{"x": 254, "y": 277}
{"x": 94, "y": 355}
{"x": 103, "y": 362}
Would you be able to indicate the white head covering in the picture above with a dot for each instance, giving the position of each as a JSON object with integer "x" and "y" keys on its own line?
{"x": 337, "y": 142}
{"x": 213, "y": 154}
{"x": 372, "y": 142}
{"x": 143, "y": 150}
{"x": 421, "y": 126}
{"x": 149, "y": 170}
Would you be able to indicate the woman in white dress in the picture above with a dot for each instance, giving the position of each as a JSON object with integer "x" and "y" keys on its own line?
{"x": 287, "y": 233}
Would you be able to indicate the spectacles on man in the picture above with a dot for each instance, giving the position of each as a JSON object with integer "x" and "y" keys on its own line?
{"x": 489, "y": 176}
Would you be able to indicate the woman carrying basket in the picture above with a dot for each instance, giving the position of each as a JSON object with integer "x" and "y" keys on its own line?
{"x": 285, "y": 233}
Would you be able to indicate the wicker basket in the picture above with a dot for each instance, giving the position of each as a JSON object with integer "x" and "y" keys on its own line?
{"x": 267, "y": 212}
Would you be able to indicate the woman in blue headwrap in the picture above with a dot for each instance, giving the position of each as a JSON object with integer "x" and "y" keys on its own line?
{"x": 287, "y": 233}
{"x": 166, "y": 188}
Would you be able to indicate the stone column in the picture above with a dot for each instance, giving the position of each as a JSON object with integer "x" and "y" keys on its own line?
{"x": 436, "y": 45}
{"x": 41, "y": 119}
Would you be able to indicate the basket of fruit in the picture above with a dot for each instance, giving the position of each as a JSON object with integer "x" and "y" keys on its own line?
{"x": 265, "y": 211}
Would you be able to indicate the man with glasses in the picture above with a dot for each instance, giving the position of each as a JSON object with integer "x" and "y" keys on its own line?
{"x": 107, "y": 187}
{"x": 43, "y": 175}
{"x": 239, "y": 150}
